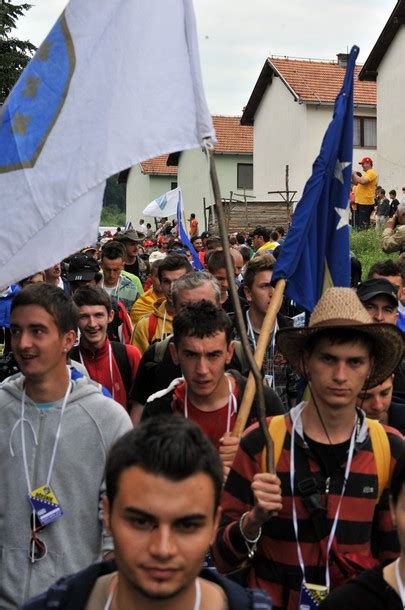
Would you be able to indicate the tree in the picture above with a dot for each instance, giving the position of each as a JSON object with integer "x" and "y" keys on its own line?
{"x": 14, "y": 53}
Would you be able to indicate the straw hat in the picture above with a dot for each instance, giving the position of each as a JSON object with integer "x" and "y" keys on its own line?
{"x": 341, "y": 307}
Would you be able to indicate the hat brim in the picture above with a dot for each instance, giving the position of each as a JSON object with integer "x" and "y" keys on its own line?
{"x": 378, "y": 293}
{"x": 388, "y": 340}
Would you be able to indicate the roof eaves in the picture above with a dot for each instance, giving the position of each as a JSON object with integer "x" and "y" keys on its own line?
{"x": 369, "y": 70}
{"x": 264, "y": 80}
{"x": 295, "y": 95}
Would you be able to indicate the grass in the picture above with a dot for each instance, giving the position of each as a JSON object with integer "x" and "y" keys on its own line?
{"x": 366, "y": 246}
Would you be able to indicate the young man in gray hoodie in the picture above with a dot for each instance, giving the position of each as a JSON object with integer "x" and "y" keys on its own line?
{"x": 55, "y": 433}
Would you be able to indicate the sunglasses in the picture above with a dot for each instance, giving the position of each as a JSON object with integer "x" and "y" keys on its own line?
{"x": 37, "y": 549}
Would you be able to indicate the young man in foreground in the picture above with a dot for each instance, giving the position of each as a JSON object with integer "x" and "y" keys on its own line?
{"x": 324, "y": 516}
{"x": 164, "y": 481}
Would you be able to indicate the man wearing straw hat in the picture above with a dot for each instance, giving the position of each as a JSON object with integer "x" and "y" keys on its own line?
{"x": 324, "y": 516}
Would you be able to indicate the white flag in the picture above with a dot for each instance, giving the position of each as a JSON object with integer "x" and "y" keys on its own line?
{"x": 114, "y": 83}
{"x": 165, "y": 205}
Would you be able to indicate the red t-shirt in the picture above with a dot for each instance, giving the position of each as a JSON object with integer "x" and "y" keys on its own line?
{"x": 213, "y": 423}
{"x": 98, "y": 367}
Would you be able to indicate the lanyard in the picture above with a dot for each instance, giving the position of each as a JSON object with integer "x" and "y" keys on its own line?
{"x": 294, "y": 508}
{"x": 115, "y": 290}
{"x": 162, "y": 334}
{"x": 110, "y": 367}
{"x": 400, "y": 583}
{"x": 272, "y": 342}
{"x": 232, "y": 405}
{"x": 55, "y": 445}
{"x": 197, "y": 603}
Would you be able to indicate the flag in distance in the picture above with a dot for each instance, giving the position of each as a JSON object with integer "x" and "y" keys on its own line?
{"x": 316, "y": 252}
{"x": 197, "y": 264}
{"x": 115, "y": 82}
{"x": 165, "y": 205}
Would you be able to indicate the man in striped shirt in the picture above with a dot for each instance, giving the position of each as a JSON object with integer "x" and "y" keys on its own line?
{"x": 324, "y": 515}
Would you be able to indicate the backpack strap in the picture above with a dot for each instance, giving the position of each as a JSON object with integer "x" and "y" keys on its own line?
{"x": 152, "y": 326}
{"x": 382, "y": 453}
{"x": 277, "y": 431}
{"x": 160, "y": 349}
{"x": 121, "y": 357}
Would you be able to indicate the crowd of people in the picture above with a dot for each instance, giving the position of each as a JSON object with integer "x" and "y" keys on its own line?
{"x": 123, "y": 485}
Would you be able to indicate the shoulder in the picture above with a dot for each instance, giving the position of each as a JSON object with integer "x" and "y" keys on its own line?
{"x": 238, "y": 597}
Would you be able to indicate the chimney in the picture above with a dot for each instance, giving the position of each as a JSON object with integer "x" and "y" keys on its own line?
{"x": 342, "y": 59}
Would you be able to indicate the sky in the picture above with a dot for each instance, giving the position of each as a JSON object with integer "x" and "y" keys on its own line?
{"x": 236, "y": 36}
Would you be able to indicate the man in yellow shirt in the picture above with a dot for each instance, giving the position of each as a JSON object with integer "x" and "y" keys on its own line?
{"x": 365, "y": 192}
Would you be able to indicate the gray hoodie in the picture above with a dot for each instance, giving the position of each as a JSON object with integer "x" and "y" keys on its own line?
{"x": 90, "y": 425}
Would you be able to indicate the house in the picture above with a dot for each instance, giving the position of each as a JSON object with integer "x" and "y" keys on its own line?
{"x": 385, "y": 68}
{"x": 233, "y": 156}
{"x": 290, "y": 108}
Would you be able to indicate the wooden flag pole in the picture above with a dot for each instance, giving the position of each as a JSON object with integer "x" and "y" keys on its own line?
{"x": 261, "y": 348}
{"x": 255, "y": 375}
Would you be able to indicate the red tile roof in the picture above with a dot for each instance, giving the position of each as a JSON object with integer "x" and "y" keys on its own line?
{"x": 232, "y": 137}
{"x": 310, "y": 81}
{"x": 157, "y": 165}
{"x": 320, "y": 81}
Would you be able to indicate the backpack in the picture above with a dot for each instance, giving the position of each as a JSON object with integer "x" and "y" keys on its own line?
{"x": 119, "y": 351}
{"x": 379, "y": 442}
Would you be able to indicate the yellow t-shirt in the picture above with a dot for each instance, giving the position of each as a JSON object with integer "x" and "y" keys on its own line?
{"x": 364, "y": 194}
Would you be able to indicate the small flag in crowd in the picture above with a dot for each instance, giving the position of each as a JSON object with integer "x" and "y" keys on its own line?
{"x": 114, "y": 83}
{"x": 197, "y": 264}
{"x": 316, "y": 252}
{"x": 165, "y": 205}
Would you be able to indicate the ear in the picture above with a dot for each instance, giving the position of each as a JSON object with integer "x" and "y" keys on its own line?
{"x": 392, "y": 512}
{"x": 173, "y": 352}
{"x": 69, "y": 340}
{"x": 229, "y": 351}
{"x": 106, "y": 514}
{"x": 111, "y": 316}
{"x": 217, "y": 519}
{"x": 248, "y": 294}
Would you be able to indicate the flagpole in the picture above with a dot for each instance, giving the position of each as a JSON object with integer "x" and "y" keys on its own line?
{"x": 255, "y": 375}
{"x": 261, "y": 348}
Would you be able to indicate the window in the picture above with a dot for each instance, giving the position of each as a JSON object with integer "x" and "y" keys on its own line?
{"x": 365, "y": 132}
{"x": 173, "y": 185}
{"x": 245, "y": 176}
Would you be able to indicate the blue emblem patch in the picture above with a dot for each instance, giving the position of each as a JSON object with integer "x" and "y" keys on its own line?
{"x": 162, "y": 201}
{"x": 34, "y": 104}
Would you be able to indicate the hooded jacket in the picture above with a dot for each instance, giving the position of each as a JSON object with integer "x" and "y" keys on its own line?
{"x": 89, "y": 426}
{"x": 73, "y": 592}
{"x": 148, "y": 331}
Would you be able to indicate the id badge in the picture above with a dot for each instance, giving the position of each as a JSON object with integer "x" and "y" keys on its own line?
{"x": 311, "y": 596}
{"x": 269, "y": 380}
{"x": 45, "y": 504}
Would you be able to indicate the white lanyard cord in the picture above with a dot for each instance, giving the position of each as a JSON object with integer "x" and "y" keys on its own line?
{"x": 400, "y": 583}
{"x": 232, "y": 404}
{"x": 162, "y": 334}
{"x": 197, "y": 603}
{"x": 272, "y": 343}
{"x": 55, "y": 445}
{"x": 294, "y": 508}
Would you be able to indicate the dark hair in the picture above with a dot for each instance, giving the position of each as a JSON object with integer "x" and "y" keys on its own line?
{"x": 213, "y": 241}
{"x": 260, "y": 262}
{"x": 54, "y": 300}
{"x": 232, "y": 241}
{"x": 280, "y": 231}
{"x": 262, "y": 232}
{"x": 245, "y": 251}
{"x": 173, "y": 262}
{"x": 201, "y": 319}
{"x": 393, "y": 192}
{"x": 356, "y": 271}
{"x": 274, "y": 235}
{"x": 194, "y": 238}
{"x": 92, "y": 295}
{"x": 113, "y": 250}
{"x": 216, "y": 261}
{"x": 382, "y": 191}
{"x": 384, "y": 268}
{"x": 398, "y": 478}
{"x": 240, "y": 238}
{"x": 170, "y": 446}
{"x": 192, "y": 215}
{"x": 340, "y": 336}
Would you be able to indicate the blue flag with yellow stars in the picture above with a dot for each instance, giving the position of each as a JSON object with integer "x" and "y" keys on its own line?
{"x": 316, "y": 252}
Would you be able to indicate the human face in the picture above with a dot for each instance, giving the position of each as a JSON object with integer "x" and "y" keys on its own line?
{"x": 54, "y": 272}
{"x": 205, "y": 292}
{"x": 222, "y": 278}
{"x": 37, "y": 345}
{"x": 111, "y": 270}
{"x": 337, "y": 372}
{"x": 154, "y": 278}
{"x": 161, "y": 530}
{"x": 93, "y": 322}
{"x": 376, "y": 401}
{"x": 197, "y": 243}
{"x": 260, "y": 293}
{"x": 131, "y": 248}
{"x": 382, "y": 310}
{"x": 366, "y": 166}
{"x": 257, "y": 241}
{"x": 398, "y": 518}
{"x": 166, "y": 283}
{"x": 202, "y": 362}
{"x": 237, "y": 262}
{"x": 35, "y": 279}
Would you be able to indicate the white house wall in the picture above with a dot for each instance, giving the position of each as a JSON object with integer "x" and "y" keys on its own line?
{"x": 390, "y": 115}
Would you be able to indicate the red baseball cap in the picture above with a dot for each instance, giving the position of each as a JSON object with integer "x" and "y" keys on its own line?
{"x": 367, "y": 160}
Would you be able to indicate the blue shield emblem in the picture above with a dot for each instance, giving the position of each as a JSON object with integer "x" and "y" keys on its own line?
{"x": 34, "y": 104}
